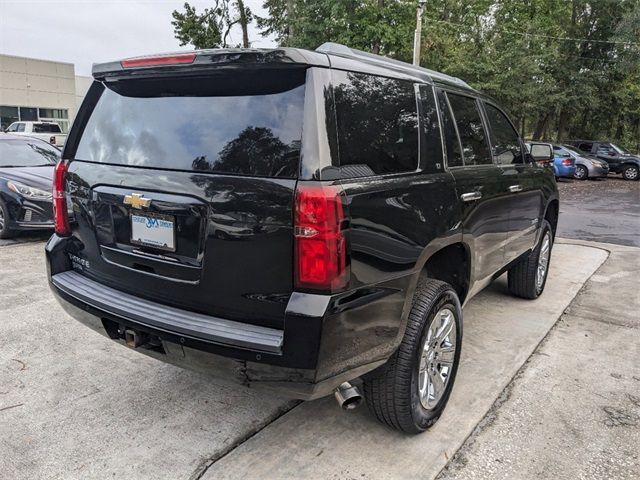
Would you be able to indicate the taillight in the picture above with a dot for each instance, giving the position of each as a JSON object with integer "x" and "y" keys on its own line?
{"x": 566, "y": 162}
{"x": 60, "y": 213}
{"x": 52, "y": 140}
{"x": 158, "y": 60}
{"x": 320, "y": 246}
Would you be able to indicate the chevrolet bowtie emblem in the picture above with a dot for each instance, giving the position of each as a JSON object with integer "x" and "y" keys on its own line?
{"x": 136, "y": 200}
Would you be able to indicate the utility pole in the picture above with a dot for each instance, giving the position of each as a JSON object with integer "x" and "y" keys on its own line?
{"x": 417, "y": 36}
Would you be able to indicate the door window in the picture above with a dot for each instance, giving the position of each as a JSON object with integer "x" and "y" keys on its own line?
{"x": 475, "y": 150}
{"x": 20, "y": 127}
{"x": 451, "y": 140}
{"x": 505, "y": 141}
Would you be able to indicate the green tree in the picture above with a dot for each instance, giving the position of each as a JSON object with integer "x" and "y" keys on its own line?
{"x": 379, "y": 26}
{"x": 212, "y": 27}
{"x": 563, "y": 68}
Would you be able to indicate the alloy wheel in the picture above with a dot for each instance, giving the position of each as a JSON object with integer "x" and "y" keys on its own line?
{"x": 543, "y": 261}
{"x": 581, "y": 172}
{"x": 630, "y": 173}
{"x": 2, "y": 219}
{"x": 437, "y": 358}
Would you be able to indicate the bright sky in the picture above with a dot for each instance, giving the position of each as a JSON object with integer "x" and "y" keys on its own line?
{"x": 86, "y": 31}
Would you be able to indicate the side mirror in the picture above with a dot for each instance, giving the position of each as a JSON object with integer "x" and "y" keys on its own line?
{"x": 612, "y": 153}
{"x": 542, "y": 154}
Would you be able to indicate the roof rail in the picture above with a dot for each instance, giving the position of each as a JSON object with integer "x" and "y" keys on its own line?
{"x": 340, "y": 50}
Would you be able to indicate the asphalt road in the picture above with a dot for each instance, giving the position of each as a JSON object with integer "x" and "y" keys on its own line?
{"x": 600, "y": 210}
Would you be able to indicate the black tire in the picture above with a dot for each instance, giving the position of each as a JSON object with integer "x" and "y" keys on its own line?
{"x": 630, "y": 172}
{"x": 582, "y": 173}
{"x": 391, "y": 391}
{"x": 5, "y": 231}
{"x": 522, "y": 277}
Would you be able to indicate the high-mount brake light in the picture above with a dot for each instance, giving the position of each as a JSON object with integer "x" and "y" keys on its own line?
{"x": 60, "y": 212}
{"x": 320, "y": 245}
{"x": 159, "y": 60}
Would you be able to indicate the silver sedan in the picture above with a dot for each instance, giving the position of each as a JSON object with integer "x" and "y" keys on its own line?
{"x": 587, "y": 166}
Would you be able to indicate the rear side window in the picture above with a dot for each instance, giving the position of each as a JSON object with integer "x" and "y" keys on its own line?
{"x": 226, "y": 124}
{"x": 46, "y": 128}
{"x": 585, "y": 147}
{"x": 431, "y": 147}
{"x": 475, "y": 150}
{"x": 377, "y": 122}
{"x": 505, "y": 141}
{"x": 451, "y": 141}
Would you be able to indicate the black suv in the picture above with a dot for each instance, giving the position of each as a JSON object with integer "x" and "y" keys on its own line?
{"x": 296, "y": 219}
{"x": 619, "y": 160}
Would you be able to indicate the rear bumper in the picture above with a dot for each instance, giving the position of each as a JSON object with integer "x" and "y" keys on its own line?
{"x": 326, "y": 340}
{"x": 565, "y": 171}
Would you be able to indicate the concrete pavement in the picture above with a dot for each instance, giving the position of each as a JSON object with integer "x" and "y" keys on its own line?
{"x": 500, "y": 334}
{"x": 75, "y": 405}
{"x": 573, "y": 411}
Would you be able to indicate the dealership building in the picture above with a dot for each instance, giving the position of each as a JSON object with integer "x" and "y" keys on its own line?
{"x": 39, "y": 90}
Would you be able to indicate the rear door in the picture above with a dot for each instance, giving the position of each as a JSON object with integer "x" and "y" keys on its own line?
{"x": 523, "y": 185}
{"x": 481, "y": 185}
{"x": 182, "y": 190}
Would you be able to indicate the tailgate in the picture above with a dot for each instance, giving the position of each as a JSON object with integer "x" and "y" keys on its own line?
{"x": 183, "y": 191}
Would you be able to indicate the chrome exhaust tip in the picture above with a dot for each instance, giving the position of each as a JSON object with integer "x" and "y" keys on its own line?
{"x": 348, "y": 396}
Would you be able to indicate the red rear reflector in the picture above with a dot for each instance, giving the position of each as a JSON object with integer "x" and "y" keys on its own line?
{"x": 320, "y": 247}
{"x": 60, "y": 213}
{"x": 154, "y": 61}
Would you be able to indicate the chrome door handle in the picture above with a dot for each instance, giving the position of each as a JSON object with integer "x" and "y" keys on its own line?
{"x": 515, "y": 188}
{"x": 471, "y": 196}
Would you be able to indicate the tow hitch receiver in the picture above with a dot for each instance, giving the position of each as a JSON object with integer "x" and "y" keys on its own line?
{"x": 132, "y": 338}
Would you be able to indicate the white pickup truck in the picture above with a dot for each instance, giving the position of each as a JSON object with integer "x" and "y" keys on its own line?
{"x": 47, "y": 131}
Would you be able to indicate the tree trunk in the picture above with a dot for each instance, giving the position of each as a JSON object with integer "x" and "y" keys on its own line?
{"x": 620, "y": 127}
{"x": 562, "y": 124}
{"x": 289, "y": 22}
{"x": 375, "y": 48}
{"x": 541, "y": 126}
{"x": 244, "y": 24}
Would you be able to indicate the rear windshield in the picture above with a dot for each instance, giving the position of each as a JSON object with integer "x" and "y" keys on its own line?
{"x": 241, "y": 124}
{"x": 46, "y": 128}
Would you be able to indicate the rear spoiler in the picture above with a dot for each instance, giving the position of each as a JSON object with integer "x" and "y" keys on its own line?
{"x": 200, "y": 60}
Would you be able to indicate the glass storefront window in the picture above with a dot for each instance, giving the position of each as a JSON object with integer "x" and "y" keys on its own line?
{"x": 8, "y": 115}
{"x": 28, "y": 114}
{"x": 53, "y": 113}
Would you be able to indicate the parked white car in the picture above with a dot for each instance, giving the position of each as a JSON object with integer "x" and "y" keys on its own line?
{"x": 47, "y": 131}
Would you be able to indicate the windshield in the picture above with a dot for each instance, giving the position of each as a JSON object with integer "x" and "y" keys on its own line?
{"x": 228, "y": 124}
{"x": 618, "y": 149}
{"x": 27, "y": 153}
